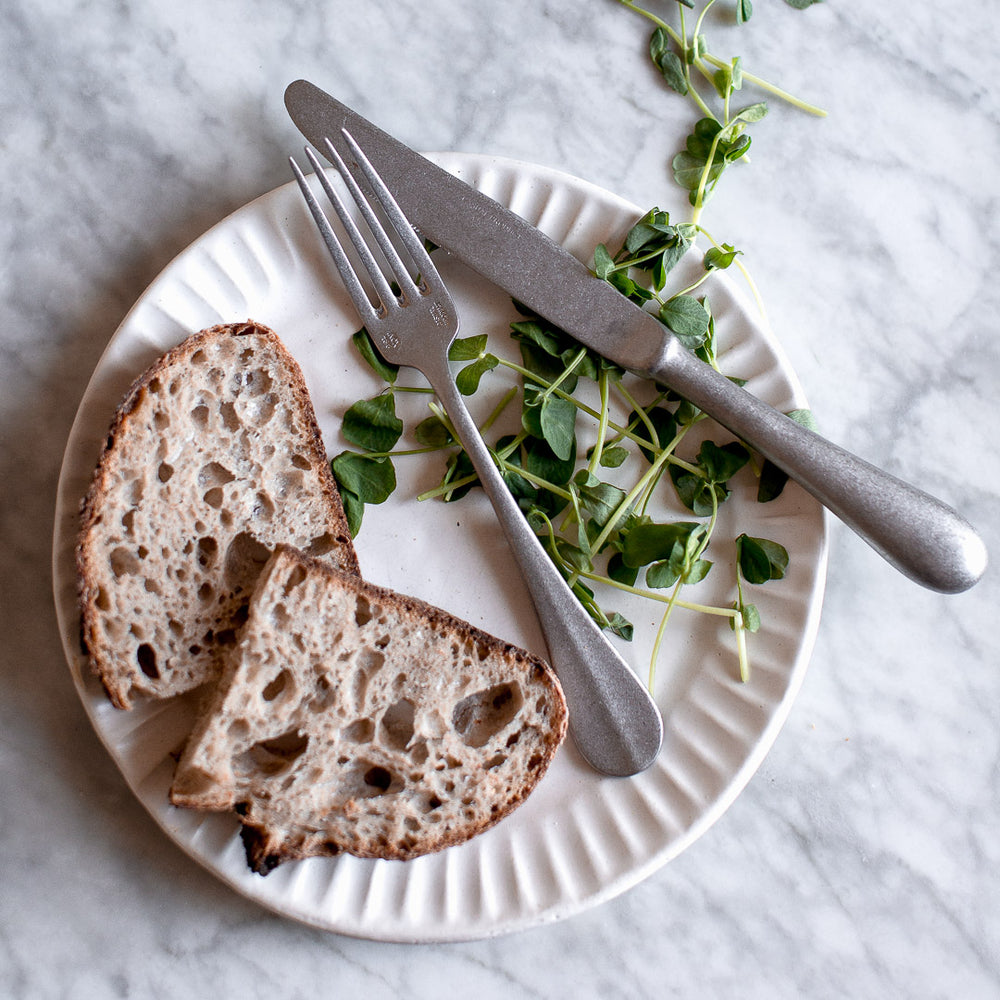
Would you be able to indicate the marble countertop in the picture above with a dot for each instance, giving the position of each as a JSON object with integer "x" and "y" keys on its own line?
{"x": 862, "y": 859}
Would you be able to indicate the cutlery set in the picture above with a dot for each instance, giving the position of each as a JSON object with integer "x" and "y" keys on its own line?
{"x": 614, "y": 721}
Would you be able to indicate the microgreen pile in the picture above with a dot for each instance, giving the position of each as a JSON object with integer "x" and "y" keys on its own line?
{"x": 620, "y": 492}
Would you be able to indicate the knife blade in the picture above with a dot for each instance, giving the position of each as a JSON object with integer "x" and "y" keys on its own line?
{"x": 921, "y": 536}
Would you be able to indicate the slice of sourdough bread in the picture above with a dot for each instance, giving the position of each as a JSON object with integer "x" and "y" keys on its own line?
{"x": 353, "y": 718}
{"x": 214, "y": 456}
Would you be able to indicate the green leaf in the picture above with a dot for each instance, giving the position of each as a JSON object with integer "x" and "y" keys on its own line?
{"x": 686, "y": 316}
{"x": 604, "y": 263}
{"x": 661, "y": 575}
{"x": 760, "y": 559}
{"x": 772, "y": 479}
{"x": 736, "y": 73}
{"x": 701, "y": 493}
{"x": 751, "y": 617}
{"x": 621, "y": 626}
{"x": 629, "y": 288}
{"x": 695, "y": 492}
{"x": 744, "y": 11}
{"x": 613, "y": 457}
{"x": 619, "y": 571}
{"x": 469, "y": 377}
{"x": 697, "y": 571}
{"x": 723, "y": 81}
{"x": 754, "y": 564}
{"x": 366, "y": 348}
{"x": 552, "y": 341}
{"x": 686, "y": 413}
{"x": 600, "y": 500}
{"x": 467, "y": 348}
{"x": 548, "y": 367}
{"x": 558, "y": 425}
{"x": 372, "y": 424}
{"x": 714, "y": 146}
{"x": 699, "y": 142}
{"x": 801, "y": 4}
{"x": 572, "y": 555}
{"x": 805, "y": 417}
{"x": 719, "y": 258}
{"x": 736, "y": 149}
{"x": 751, "y": 113}
{"x": 649, "y": 541}
{"x": 354, "y": 509}
{"x": 706, "y": 349}
{"x": 722, "y": 463}
{"x": 371, "y": 480}
{"x": 653, "y": 246}
{"x": 549, "y": 351}
{"x": 667, "y": 61}
{"x": 681, "y": 548}
{"x": 432, "y": 432}
{"x": 652, "y": 227}
{"x": 688, "y": 170}
{"x": 541, "y": 461}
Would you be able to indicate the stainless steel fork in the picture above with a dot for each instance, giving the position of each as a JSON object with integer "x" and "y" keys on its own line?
{"x": 613, "y": 719}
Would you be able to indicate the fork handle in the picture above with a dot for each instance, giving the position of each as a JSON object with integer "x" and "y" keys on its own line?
{"x": 613, "y": 719}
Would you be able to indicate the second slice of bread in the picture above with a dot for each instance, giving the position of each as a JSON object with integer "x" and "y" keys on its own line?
{"x": 353, "y": 718}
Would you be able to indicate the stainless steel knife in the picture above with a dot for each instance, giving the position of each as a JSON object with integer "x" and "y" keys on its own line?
{"x": 919, "y": 535}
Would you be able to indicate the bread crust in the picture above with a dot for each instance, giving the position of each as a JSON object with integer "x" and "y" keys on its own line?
{"x": 444, "y": 785}
{"x": 98, "y": 535}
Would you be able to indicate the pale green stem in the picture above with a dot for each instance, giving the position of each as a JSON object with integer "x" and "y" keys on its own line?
{"x": 783, "y": 95}
{"x": 446, "y": 488}
{"x": 741, "y": 647}
{"x": 747, "y": 277}
{"x": 699, "y": 202}
{"x": 565, "y": 374}
{"x": 630, "y": 498}
{"x": 652, "y": 595}
{"x": 499, "y": 408}
{"x": 641, "y": 413}
{"x": 602, "y": 425}
{"x": 539, "y": 482}
{"x": 692, "y": 287}
{"x": 582, "y": 407}
{"x": 655, "y": 655}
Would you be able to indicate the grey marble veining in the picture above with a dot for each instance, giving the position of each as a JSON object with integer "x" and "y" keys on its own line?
{"x": 863, "y": 859}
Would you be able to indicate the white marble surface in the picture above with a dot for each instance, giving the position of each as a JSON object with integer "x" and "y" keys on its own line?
{"x": 862, "y": 860}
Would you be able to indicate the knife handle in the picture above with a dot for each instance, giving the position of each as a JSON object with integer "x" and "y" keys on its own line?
{"x": 613, "y": 719}
{"x": 921, "y": 536}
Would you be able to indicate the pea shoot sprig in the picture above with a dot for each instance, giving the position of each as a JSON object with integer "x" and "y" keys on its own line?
{"x": 719, "y": 138}
{"x": 595, "y": 453}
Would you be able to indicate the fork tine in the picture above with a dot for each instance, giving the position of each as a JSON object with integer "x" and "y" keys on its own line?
{"x": 382, "y": 286}
{"x": 343, "y": 264}
{"x": 407, "y": 235}
{"x": 397, "y": 268}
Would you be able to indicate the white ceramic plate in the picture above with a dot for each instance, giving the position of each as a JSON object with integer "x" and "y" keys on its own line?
{"x": 581, "y": 838}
